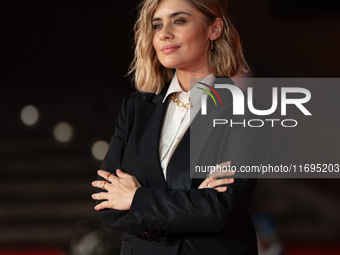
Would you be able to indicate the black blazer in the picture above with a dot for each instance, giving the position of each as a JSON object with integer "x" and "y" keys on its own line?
{"x": 174, "y": 217}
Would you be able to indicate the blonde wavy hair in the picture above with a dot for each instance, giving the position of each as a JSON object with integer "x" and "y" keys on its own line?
{"x": 225, "y": 60}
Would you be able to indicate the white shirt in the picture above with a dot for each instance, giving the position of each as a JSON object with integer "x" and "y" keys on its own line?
{"x": 176, "y": 119}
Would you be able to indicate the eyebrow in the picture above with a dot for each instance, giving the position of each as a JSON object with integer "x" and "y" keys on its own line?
{"x": 172, "y": 15}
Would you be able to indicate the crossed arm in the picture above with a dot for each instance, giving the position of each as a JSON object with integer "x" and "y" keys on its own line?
{"x": 122, "y": 187}
{"x": 206, "y": 209}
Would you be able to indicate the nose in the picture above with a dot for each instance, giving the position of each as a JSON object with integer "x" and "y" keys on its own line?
{"x": 166, "y": 33}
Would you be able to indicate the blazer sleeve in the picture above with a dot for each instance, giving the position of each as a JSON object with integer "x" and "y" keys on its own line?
{"x": 200, "y": 211}
{"x": 112, "y": 162}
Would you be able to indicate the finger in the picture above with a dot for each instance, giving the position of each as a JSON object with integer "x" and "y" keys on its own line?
{"x": 220, "y": 182}
{"x": 121, "y": 174}
{"x": 100, "y": 196}
{"x": 205, "y": 183}
{"x": 227, "y": 163}
{"x": 222, "y": 170}
{"x": 221, "y": 189}
{"x": 100, "y": 184}
{"x": 102, "y": 205}
{"x": 107, "y": 175}
{"x": 103, "y": 174}
{"x": 111, "y": 177}
{"x": 224, "y": 165}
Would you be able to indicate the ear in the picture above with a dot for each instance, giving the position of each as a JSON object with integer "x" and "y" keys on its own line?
{"x": 216, "y": 29}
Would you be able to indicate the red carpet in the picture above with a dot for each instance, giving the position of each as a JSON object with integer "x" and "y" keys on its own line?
{"x": 33, "y": 252}
{"x": 310, "y": 250}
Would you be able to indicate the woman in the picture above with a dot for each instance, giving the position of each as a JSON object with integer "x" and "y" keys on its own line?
{"x": 144, "y": 187}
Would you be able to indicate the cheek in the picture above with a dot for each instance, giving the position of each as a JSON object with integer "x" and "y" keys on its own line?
{"x": 154, "y": 45}
{"x": 195, "y": 39}
{"x": 155, "y": 39}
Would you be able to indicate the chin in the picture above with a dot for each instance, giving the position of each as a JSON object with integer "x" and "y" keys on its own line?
{"x": 170, "y": 67}
{"x": 171, "y": 64}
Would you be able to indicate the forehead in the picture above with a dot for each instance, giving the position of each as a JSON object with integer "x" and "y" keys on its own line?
{"x": 167, "y": 7}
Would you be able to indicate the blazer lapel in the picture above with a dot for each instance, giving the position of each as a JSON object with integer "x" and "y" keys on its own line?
{"x": 148, "y": 122}
{"x": 193, "y": 146}
{"x": 178, "y": 174}
{"x": 178, "y": 171}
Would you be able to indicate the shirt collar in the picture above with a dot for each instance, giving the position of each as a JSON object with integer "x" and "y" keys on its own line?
{"x": 176, "y": 87}
{"x": 173, "y": 87}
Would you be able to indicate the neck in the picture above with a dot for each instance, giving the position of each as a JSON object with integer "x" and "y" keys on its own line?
{"x": 185, "y": 76}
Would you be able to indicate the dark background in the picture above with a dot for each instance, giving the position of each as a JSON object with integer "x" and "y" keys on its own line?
{"x": 70, "y": 60}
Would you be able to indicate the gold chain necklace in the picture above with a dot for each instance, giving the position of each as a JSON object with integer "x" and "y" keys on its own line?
{"x": 180, "y": 104}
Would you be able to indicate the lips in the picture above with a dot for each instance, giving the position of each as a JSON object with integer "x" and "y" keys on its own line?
{"x": 169, "y": 49}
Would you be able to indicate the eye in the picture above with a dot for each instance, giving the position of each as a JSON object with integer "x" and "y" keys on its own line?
{"x": 179, "y": 21}
{"x": 156, "y": 26}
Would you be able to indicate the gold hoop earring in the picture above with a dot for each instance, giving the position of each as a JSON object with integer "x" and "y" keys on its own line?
{"x": 212, "y": 44}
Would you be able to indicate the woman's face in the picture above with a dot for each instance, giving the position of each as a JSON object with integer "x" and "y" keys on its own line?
{"x": 180, "y": 37}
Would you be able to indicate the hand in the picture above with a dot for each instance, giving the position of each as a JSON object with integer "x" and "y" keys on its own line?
{"x": 212, "y": 182}
{"x": 120, "y": 190}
